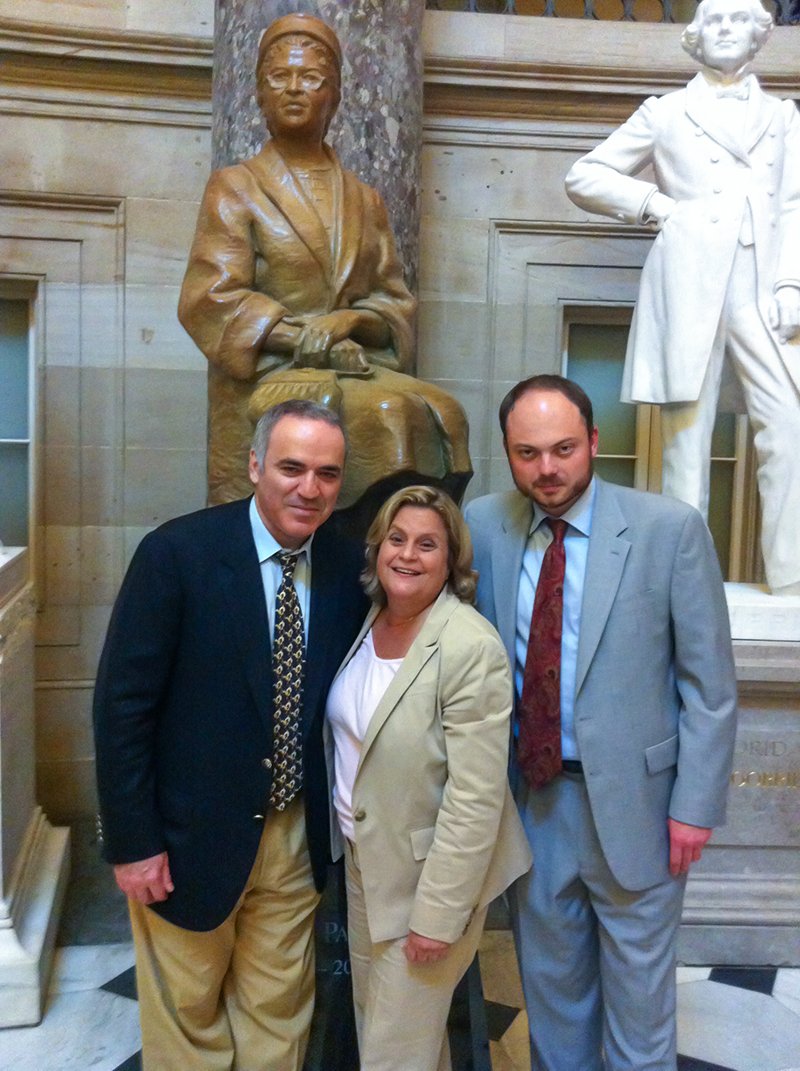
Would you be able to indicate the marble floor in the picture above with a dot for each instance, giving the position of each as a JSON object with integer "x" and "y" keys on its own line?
{"x": 729, "y": 1019}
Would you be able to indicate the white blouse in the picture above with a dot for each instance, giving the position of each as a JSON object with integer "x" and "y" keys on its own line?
{"x": 352, "y": 701}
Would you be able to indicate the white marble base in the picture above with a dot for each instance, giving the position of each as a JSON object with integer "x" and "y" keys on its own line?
{"x": 27, "y": 938}
{"x": 757, "y": 615}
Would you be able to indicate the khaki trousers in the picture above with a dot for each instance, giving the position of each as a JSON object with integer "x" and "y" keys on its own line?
{"x": 239, "y": 997}
{"x": 401, "y": 1008}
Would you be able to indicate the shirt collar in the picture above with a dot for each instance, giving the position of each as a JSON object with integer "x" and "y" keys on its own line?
{"x": 715, "y": 79}
{"x": 267, "y": 546}
{"x": 578, "y": 516}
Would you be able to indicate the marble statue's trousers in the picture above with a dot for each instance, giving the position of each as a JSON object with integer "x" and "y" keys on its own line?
{"x": 773, "y": 406}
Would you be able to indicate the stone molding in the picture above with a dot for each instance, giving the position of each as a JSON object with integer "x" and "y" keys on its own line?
{"x": 523, "y": 67}
{"x": 101, "y": 74}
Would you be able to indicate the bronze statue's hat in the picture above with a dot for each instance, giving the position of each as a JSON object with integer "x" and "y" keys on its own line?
{"x": 308, "y": 25}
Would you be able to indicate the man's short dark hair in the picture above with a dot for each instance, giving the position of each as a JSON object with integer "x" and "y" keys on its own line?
{"x": 560, "y": 385}
{"x": 297, "y": 407}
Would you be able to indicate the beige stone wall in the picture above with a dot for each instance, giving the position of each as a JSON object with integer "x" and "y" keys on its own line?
{"x": 105, "y": 117}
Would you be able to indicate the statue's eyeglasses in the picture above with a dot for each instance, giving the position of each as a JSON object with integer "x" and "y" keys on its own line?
{"x": 305, "y": 79}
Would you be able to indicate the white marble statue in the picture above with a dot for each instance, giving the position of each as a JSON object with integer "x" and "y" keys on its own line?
{"x": 722, "y": 281}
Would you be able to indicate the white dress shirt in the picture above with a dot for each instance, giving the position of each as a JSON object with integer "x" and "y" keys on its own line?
{"x": 352, "y": 701}
{"x": 267, "y": 547}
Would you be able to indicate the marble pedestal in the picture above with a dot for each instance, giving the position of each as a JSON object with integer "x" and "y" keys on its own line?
{"x": 743, "y": 900}
{"x": 34, "y": 857}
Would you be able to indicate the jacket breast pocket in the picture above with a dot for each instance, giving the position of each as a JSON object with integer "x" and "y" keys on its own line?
{"x": 421, "y": 841}
{"x": 661, "y": 756}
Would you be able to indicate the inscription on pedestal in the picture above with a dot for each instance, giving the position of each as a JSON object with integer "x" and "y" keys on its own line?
{"x": 764, "y": 785}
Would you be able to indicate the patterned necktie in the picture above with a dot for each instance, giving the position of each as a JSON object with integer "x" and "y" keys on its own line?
{"x": 539, "y": 745}
{"x": 287, "y": 671}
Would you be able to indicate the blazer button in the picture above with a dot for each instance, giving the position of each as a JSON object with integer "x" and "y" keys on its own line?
{"x": 267, "y": 764}
{"x": 359, "y": 815}
{"x": 258, "y": 817}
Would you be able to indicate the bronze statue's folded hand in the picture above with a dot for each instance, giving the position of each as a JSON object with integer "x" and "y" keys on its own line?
{"x": 313, "y": 347}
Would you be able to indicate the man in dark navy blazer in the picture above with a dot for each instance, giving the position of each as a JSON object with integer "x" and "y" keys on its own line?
{"x": 222, "y": 886}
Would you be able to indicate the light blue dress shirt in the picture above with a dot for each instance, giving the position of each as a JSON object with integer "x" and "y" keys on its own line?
{"x": 576, "y": 545}
{"x": 267, "y": 547}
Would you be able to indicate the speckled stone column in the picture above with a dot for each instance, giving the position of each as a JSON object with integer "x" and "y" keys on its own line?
{"x": 377, "y": 129}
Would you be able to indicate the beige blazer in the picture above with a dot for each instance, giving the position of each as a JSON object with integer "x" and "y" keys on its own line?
{"x": 436, "y": 828}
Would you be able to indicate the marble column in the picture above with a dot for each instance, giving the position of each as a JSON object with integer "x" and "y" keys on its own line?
{"x": 377, "y": 129}
{"x": 34, "y": 857}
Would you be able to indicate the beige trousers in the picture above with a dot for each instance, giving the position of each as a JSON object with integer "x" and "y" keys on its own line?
{"x": 401, "y": 1008}
{"x": 239, "y": 997}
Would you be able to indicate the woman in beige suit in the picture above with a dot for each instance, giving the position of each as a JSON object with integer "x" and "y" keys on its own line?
{"x": 419, "y": 722}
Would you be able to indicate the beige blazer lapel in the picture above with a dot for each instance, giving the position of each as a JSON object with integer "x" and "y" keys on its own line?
{"x": 420, "y": 653}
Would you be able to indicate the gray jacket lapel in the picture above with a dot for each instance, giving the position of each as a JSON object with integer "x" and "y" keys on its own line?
{"x": 608, "y": 550}
{"x": 507, "y": 555}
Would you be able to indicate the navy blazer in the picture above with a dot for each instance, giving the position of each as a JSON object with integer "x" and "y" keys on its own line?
{"x": 183, "y": 705}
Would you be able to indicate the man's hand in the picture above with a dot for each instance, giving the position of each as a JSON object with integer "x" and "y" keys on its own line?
{"x": 784, "y": 312}
{"x": 146, "y": 880}
{"x": 421, "y": 949}
{"x": 686, "y": 845}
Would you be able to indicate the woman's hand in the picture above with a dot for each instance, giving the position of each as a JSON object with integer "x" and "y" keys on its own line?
{"x": 421, "y": 949}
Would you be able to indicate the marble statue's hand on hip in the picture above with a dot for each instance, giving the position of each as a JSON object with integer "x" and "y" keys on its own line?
{"x": 658, "y": 210}
{"x": 784, "y": 313}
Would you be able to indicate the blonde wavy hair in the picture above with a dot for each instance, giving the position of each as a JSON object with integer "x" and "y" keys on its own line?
{"x": 461, "y": 577}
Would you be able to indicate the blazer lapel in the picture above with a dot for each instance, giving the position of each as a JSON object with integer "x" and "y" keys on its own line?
{"x": 700, "y": 108}
{"x": 761, "y": 109}
{"x": 420, "y": 653}
{"x": 507, "y": 555}
{"x": 322, "y": 623}
{"x": 282, "y": 188}
{"x": 608, "y": 551}
{"x": 244, "y": 593}
{"x": 348, "y": 228}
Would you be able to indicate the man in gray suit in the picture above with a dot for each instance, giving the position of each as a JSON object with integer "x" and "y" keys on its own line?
{"x": 645, "y": 683}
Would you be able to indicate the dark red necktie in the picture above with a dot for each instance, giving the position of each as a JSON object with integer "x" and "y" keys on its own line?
{"x": 539, "y": 745}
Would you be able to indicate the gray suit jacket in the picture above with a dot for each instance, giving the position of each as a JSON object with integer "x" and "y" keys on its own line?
{"x": 655, "y": 704}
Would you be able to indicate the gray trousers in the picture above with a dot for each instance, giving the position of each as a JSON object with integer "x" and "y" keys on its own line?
{"x": 597, "y": 961}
